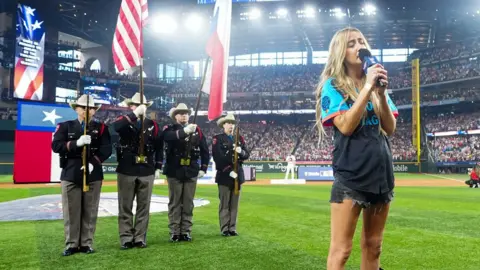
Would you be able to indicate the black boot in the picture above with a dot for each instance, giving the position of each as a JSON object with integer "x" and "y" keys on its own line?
{"x": 87, "y": 250}
{"x": 186, "y": 237}
{"x": 140, "y": 244}
{"x": 174, "y": 238}
{"x": 69, "y": 251}
{"x": 127, "y": 245}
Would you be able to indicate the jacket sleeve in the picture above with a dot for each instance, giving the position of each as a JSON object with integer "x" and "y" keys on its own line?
{"x": 105, "y": 149}
{"x": 123, "y": 122}
{"x": 159, "y": 149}
{"x": 173, "y": 135}
{"x": 222, "y": 159}
{"x": 60, "y": 143}
{"x": 204, "y": 154}
{"x": 245, "y": 153}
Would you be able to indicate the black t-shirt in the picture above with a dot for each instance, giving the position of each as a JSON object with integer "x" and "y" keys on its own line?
{"x": 362, "y": 161}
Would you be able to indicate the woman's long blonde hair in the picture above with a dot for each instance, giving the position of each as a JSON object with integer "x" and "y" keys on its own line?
{"x": 336, "y": 68}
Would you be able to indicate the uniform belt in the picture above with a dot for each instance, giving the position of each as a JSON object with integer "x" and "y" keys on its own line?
{"x": 74, "y": 157}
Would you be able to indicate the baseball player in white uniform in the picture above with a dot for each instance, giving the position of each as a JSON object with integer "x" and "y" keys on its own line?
{"x": 290, "y": 166}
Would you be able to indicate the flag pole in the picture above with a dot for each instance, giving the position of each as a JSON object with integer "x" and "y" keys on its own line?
{"x": 188, "y": 149}
{"x": 141, "y": 156}
{"x": 199, "y": 97}
{"x": 84, "y": 153}
{"x": 235, "y": 157}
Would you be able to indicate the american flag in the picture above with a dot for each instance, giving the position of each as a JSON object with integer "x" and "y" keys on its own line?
{"x": 127, "y": 44}
{"x": 29, "y": 54}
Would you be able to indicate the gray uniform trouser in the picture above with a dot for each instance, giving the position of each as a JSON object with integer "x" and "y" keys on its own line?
{"x": 228, "y": 208}
{"x": 130, "y": 187}
{"x": 180, "y": 205}
{"x": 80, "y": 211}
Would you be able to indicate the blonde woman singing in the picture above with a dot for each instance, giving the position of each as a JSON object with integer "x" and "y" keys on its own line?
{"x": 362, "y": 115}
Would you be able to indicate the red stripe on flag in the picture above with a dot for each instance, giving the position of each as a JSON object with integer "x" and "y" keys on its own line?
{"x": 29, "y": 167}
{"x": 125, "y": 50}
{"x": 216, "y": 52}
{"x": 34, "y": 84}
{"x": 19, "y": 71}
{"x": 122, "y": 21}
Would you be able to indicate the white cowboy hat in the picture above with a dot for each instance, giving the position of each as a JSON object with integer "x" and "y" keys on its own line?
{"x": 82, "y": 101}
{"x": 136, "y": 100}
{"x": 229, "y": 118}
{"x": 181, "y": 107}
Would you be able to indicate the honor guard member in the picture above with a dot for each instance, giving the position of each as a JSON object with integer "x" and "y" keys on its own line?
{"x": 185, "y": 145}
{"x": 80, "y": 208}
{"x": 223, "y": 147}
{"x": 136, "y": 173}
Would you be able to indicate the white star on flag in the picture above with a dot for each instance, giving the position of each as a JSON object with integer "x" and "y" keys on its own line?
{"x": 30, "y": 11}
{"x": 51, "y": 116}
{"x": 36, "y": 25}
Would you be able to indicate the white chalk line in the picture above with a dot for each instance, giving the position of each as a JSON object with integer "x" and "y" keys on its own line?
{"x": 443, "y": 177}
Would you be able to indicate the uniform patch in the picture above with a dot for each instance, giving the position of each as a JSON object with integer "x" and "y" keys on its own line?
{"x": 325, "y": 103}
{"x": 165, "y": 127}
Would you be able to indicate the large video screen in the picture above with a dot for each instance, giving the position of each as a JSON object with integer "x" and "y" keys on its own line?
{"x": 29, "y": 53}
{"x": 64, "y": 95}
{"x": 100, "y": 93}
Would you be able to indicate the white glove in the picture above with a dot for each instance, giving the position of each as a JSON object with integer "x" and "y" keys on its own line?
{"x": 238, "y": 149}
{"x": 233, "y": 174}
{"x": 201, "y": 174}
{"x": 90, "y": 168}
{"x": 140, "y": 110}
{"x": 157, "y": 174}
{"x": 190, "y": 128}
{"x": 84, "y": 139}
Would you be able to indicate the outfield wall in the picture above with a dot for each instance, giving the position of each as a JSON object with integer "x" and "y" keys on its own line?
{"x": 260, "y": 166}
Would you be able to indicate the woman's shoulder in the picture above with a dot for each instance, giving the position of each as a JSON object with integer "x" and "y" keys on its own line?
{"x": 330, "y": 87}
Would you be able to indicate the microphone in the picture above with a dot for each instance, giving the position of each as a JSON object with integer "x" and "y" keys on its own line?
{"x": 369, "y": 60}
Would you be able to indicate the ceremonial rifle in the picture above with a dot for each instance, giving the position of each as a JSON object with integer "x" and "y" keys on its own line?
{"x": 235, "y": 155}
{"x": 188, "y": 150}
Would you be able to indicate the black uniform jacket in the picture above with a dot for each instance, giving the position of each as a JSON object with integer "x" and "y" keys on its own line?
{"x": 223, "y": 155}
{"x": 176, "y": 140}
{"x": 128, "y": 128}
{"x": 65, "y": 144}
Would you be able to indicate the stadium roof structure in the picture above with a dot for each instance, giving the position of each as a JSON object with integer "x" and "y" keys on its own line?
{"x": 284, "y": 25}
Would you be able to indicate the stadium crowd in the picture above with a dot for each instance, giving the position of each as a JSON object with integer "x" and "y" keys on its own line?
{"x": 275, "y": 140}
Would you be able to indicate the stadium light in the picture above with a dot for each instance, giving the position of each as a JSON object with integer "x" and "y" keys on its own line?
{"x": 337, "y": 12}
{"x": 194, "y": 22}
{"x": 255, "y": 14}
{"x": 370, "y": 9}
{"x": 282, "y": 12}
{"x": 164, "y": 24}
{"x": 309, "y": 12}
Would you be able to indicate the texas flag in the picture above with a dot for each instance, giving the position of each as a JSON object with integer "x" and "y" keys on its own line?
{"x": 218, "y": 49}
{"x": 34, "y": 160}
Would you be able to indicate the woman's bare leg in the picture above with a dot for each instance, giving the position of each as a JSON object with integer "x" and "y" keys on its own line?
{"x": 343, "y": 221}
{"x": 374, "y": 219}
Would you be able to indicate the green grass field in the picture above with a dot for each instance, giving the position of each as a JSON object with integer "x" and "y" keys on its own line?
{"x": 281, "y": 227}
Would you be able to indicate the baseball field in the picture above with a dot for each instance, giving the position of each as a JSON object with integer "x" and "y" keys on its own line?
{"x": 433, "y": 224}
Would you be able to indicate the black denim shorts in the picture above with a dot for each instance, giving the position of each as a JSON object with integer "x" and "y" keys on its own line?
{"x": 341, "y": 192}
